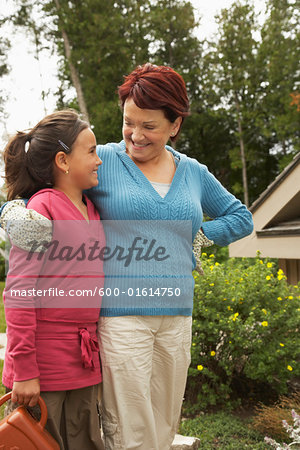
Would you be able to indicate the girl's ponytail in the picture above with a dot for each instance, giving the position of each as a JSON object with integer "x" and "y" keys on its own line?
{"x": 29, "y": 157}
{"x": 18, "y": 179}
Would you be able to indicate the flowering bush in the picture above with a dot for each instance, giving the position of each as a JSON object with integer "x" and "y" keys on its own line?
{"x": 245, "y": 326}
{"x": 292, "y": 430}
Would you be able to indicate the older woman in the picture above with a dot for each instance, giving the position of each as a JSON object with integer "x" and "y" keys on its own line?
{"x": 146, "y": 351}
{"x": 145, "y": 344}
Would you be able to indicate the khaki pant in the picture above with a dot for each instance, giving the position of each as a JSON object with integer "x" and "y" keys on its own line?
{"x": 144, "y": 366}
{"x": 73, "y": 418}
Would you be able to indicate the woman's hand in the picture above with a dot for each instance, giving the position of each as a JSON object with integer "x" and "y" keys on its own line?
{"x": 26, "y": 392}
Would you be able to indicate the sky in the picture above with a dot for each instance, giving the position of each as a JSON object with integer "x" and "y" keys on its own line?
{"x": 28, "y": 77}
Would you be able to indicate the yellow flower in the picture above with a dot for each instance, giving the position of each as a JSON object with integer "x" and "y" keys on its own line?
{"x": 268, "y": 277}
{"x": 280, "y": 274}
{"x": 217, "y": 264}
{"x": 261, "y": 261}
{"x": 235, "y": 315}
{"x": 290, "y": 297}
{"x": 212, "y": 353}
{"x": 241, "y": 279}
{"x": 269, "y": 265}
{"x": 212, "y": 284}
{"x": 281, "y": 345}
{"x": 204, "y": 254}
{"x": 279, "y": 298}
{"x": 289, "y": 368}
{"x": 264, "y": 311}
{"x": 193, "y": 344}
{"x": 264, "y": 323}
{"x": 212, "y": 255}
{"x": 229, "y": 308}
{"x": 200, "y": 367}
{"x": 211, "y": 267}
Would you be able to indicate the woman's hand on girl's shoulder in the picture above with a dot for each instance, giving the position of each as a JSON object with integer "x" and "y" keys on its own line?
{"x": 26, "y": 392}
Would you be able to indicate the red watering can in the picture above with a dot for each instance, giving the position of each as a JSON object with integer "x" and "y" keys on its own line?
{"x": 20, "y": 431}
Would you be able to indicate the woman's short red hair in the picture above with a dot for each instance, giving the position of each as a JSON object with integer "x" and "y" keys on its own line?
{"x": 156, "y": 87}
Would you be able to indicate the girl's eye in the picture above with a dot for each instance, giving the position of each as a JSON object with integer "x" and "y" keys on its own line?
{"x": 128, "y": 124}
{"x": 149, "y": 128}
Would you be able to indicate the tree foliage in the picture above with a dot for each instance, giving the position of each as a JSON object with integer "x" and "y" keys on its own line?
{"x": 243, "y": 84}
{"x": 279, "y": 59}
{"x": 4, "y": 69}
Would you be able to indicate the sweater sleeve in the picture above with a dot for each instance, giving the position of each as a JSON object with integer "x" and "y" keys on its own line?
{"x": 24, "y": 225}
{"x": 20, "y": 306}
{"x": 231, "y": 220}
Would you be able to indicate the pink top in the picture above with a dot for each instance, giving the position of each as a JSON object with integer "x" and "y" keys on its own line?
{"x": 51, "y": 332}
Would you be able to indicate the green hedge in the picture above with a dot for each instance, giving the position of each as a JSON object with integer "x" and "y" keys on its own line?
{"x": 245, "y": 327}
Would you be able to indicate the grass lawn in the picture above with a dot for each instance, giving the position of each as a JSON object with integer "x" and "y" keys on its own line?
{"x": 223, "y": 431}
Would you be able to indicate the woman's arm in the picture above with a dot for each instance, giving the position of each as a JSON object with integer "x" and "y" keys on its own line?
{"x": 231, "y": 219}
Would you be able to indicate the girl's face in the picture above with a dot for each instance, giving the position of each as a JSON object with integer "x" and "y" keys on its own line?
{"x": 84, "y": 161}
{"x": 146, "y": 131}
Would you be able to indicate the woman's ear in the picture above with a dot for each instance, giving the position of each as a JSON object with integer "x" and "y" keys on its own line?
{"x": 61, "y": 161}
{"x": 176, "y": 125}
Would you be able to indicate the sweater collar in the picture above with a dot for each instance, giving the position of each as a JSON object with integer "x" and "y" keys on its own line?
{"x": 140, "y": 178}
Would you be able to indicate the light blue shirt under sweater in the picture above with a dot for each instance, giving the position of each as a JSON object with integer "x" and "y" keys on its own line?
{"x": 125, "y": 194}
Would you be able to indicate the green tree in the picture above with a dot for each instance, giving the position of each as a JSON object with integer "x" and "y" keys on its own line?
{"x": 279, "y": 54}
{"x": 34, "y": 17}
{"x": 207, "y": 133}
{"x": 237, "y": 75}
{"x": 108, "y": 39}
{"x": 4, "y": 69}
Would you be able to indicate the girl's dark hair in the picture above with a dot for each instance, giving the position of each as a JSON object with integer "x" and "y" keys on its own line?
{"x": 29, "y": 157}
{"x": 157, "y": 87}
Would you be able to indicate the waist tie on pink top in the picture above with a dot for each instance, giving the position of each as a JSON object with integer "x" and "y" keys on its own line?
{"x": 88, "y": 346}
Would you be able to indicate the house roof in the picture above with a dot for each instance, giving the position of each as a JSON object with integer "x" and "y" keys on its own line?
{"x": 278, "y": 180}
{"x": 291, "y": 227}
{"x": 276, "y": 217}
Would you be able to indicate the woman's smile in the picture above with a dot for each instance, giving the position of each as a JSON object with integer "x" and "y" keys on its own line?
{"x": 138, "y": 146}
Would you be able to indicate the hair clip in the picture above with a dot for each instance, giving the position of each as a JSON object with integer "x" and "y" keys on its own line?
{"x": 27, "y": 145}
{"x": 63, "y": 144}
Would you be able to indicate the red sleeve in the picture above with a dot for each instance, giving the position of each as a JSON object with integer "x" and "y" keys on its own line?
{"x": 19, "y": 300}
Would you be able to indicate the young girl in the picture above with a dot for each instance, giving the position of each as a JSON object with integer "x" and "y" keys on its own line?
{"x": 52, "y": 300}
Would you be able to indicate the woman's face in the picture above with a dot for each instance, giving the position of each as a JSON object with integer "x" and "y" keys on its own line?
{"x": 146, "y": 131}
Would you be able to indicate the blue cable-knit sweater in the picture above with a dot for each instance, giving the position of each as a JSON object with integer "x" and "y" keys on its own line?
{"x": 125, "y": 194}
